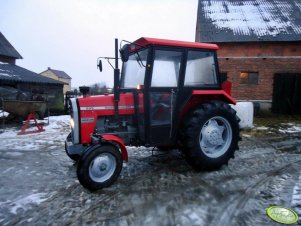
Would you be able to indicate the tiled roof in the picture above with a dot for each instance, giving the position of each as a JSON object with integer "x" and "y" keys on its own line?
{"x": 248, "y": 20}
{"x": 6, "y": 49}
{"x": 14, "y": 73}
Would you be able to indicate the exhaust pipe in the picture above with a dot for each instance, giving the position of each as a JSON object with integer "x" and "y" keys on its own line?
{"x": 116, "y": 80}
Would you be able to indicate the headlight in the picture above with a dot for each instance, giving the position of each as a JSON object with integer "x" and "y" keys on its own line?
{"x": 72, "y": 123}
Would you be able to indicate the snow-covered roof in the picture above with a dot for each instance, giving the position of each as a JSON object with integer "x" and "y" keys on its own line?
{"x": 248, "y": 20}
{"x": 14, "y": 73}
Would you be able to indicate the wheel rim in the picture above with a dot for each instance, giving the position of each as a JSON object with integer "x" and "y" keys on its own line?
{"x": 215, "y": 137}
{"x": 102, "y": 167}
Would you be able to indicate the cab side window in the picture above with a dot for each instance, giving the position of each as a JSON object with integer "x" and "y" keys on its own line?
{"x": 166, "y": 68}
{"x": 200, "y": 69}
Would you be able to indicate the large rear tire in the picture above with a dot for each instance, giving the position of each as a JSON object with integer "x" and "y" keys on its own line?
{"x": 210, "y": 136}
{"x": 99, "y": 167}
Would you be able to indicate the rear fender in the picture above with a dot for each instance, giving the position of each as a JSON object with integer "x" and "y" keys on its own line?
{"x": 116, "y": 140}
{"x": 214, "y": 95}
{"x": 201, "y": 96}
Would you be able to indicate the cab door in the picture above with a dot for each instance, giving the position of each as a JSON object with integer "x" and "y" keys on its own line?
{"x": 163, "y": 94}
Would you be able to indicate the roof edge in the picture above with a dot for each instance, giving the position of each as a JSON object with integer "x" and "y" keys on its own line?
{"x": 145, "y": 41}
{"x": 15, "y": 54}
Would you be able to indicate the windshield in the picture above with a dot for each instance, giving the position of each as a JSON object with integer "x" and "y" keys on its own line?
{"x": 133, "y": 71}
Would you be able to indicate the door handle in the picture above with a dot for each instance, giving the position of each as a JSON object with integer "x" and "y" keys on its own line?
{"x": 171, "y": 110}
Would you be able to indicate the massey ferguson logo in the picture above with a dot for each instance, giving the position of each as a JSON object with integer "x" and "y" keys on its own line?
{"x": 87, "y": 120}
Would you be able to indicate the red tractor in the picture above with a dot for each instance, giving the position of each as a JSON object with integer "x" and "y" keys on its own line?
{"x": 168, "y": 95}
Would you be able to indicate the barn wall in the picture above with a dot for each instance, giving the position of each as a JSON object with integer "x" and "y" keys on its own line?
{"x": 264, "y": 58}
{"x": 266, "y": 68}
{"x": 249, "y": 49}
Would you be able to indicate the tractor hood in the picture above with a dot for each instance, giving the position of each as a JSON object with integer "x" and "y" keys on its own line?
{"x": 87, "y": 111}
{"x": 104, "y": 104}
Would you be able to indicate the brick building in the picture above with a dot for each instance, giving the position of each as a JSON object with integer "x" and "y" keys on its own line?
{"x": 260, "y": 48}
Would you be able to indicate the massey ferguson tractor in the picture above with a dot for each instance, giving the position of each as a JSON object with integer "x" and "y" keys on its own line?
{"x": 168, "y": 95}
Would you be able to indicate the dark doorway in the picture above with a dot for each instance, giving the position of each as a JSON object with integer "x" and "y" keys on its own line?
{"x": 287, "y": 93}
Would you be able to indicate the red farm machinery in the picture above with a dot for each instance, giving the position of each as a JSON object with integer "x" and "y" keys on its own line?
{"x": 168, "y": 95}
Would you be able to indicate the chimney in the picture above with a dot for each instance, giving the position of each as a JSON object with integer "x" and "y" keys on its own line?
{"x": 49, "y": 68}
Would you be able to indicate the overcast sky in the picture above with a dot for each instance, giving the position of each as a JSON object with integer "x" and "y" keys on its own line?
{"x": 69, "y": 35}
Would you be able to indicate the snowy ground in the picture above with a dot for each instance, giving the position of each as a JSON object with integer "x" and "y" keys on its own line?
{"x": 39, "y": 184}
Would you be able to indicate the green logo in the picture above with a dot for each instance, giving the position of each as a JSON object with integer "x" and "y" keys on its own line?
{"x": 282, "y": 214}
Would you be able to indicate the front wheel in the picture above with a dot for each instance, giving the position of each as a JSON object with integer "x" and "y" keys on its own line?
{"x": 210, "y": 136}
{"x": 99, "y": 167}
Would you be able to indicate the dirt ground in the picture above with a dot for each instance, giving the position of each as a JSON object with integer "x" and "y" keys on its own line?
{"x": 39, "y": 184}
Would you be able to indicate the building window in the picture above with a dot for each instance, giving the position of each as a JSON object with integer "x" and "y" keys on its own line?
{"x": 250, "y": 78}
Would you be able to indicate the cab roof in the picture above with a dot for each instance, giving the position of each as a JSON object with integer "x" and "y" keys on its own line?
{"x": 143, "y": 42}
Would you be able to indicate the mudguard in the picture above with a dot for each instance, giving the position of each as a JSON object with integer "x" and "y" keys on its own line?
{"x": 201, "y": 96}
{"x": 215, "y": 95}
{"x": 111, "y": 138}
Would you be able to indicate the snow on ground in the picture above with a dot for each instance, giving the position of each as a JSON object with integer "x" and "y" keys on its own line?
{"x": 39, "y": 187}
{"x": 22, "y": 203}
{"x": 261, "y": 128}
{"x": 296, "y": 199}
{"x": 290, "y": 128}
{"x": 25, "y": 157}
{"x": 281, "y": 128}
{"x": 52, "y": 136}
{"x": 3, "y": 114}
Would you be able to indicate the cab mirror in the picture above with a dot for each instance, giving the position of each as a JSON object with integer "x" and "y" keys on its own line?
{"x": 99, "y": 65}
{"x": 124, "y": 53}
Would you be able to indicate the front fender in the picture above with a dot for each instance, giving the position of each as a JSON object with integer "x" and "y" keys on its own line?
{"x": 114, "y": 139}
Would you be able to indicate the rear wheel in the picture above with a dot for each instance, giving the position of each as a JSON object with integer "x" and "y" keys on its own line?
{"x": 99, "y": 167}
{"x": 210, "y": 136}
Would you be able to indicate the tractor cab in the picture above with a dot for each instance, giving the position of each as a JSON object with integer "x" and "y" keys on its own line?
{"x": 164, "y": 74}
{"x": 167, "y": 95}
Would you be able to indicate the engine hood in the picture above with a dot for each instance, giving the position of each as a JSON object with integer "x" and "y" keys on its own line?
{"x": 94, "y": 107}
{"x": 106, "y": 103}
